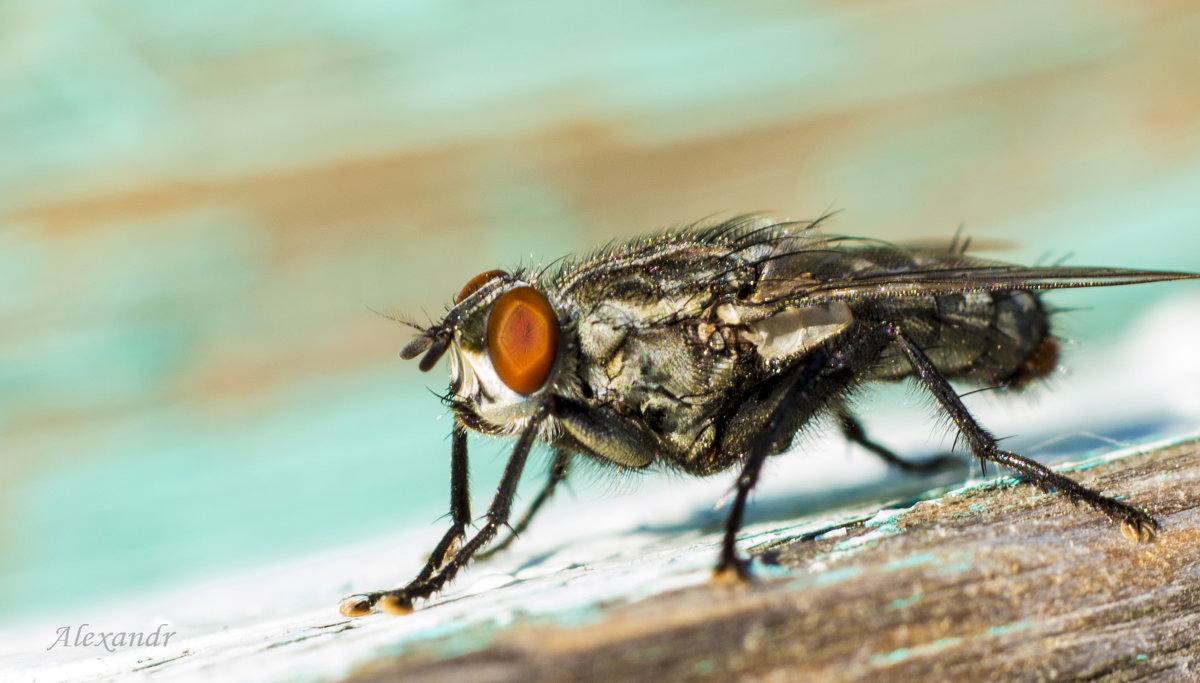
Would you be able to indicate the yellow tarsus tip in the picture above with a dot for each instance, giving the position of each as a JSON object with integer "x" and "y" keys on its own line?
{"x": 355, "y": 606}
{"x": 1137, "y": 532}
{"x": 728, "y": 576}
{"x": 394, "y": 605}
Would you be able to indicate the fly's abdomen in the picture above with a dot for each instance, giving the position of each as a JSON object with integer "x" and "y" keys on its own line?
{"x": 990, "y": 338}
{"x": 1020, "y": 347}
{"x": 1021, "y": 317}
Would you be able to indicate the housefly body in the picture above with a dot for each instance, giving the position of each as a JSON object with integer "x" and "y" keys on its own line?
{"x": 706, "y": 349}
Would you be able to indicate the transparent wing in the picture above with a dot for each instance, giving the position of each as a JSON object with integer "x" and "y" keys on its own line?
{"x": 948, "y": 279}
{"x": 815, "y": 270}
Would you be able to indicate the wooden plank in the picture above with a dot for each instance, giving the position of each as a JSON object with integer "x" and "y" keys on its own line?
{"x": 990, "y": 582}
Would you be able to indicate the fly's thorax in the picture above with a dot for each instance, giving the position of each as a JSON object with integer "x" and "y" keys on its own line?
{"x": 505, "y": 348}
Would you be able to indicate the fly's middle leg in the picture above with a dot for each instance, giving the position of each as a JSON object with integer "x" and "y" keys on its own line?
{"x": 824, "y": 375}
{"x": 854, "y": 432}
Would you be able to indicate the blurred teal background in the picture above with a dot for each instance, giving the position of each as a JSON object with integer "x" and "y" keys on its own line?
{"x": 201, "y": 202}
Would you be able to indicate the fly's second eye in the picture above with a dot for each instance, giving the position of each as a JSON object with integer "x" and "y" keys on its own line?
{"x": 522, "y": 339}
{"x": 476, "y": 282}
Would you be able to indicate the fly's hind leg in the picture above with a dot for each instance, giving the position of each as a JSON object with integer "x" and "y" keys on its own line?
{"x": 558, "y": 472}
{"x": 1136, "y": 523}
{"x": 854, "y": 432}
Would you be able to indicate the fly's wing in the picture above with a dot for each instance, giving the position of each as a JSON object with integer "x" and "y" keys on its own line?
{"x": 842, "y": 270}
{"x": 979, "y": 279}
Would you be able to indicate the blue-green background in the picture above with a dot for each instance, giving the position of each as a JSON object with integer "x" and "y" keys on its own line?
{"x": 200, "y": 203}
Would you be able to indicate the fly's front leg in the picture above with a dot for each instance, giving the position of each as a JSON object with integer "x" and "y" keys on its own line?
{"x": 428, "y": 582}
{"x": 558, "y": 472}
{"x": 824, "y": 375}
{"x": 1136, "y": 523}
{"x": 460, "y": 516}
{"x": 460, "y": 504}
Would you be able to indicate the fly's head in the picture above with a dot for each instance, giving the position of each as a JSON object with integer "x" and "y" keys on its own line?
{"x": 503, "y": 337}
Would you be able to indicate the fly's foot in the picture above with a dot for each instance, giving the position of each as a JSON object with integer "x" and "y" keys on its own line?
{"x": 731, "y": 572}
{"x": 1139, "y": 527}
{"x": 358, "y": 605}
{"x": 393, "y": 602}
{"x": 396, "y": 602}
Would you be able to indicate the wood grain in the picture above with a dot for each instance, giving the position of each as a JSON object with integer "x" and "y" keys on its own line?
{"x": 995, "y": 582}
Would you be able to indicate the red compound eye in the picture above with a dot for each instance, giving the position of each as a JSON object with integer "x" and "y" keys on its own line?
{"x": 476, "y": 282}
{"x": 522, "y": 339}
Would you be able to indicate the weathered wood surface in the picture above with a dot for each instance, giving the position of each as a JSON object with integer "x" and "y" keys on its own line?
{"x": 198, "y": 204}
{"x": 993, "y": 582}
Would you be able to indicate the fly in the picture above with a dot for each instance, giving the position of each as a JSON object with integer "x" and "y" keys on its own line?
{"x": 706, "y": 349}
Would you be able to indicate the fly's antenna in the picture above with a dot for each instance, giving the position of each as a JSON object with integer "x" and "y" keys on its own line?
{"x": 397, "y": 319}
